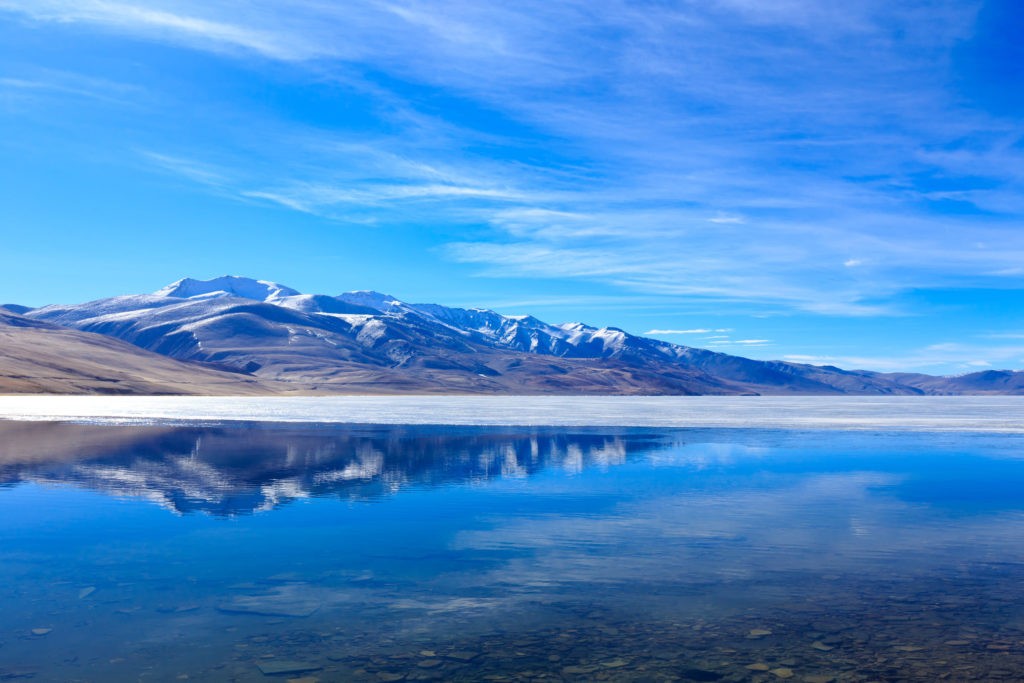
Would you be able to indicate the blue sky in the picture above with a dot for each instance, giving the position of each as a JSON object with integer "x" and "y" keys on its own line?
{"x": 827, "y": 182}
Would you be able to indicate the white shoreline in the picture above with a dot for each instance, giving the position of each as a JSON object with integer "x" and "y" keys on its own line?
{"x": 1000, "y": 414}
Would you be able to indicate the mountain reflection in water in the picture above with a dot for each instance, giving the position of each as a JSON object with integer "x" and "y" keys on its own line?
{"x": 234, "y": 470}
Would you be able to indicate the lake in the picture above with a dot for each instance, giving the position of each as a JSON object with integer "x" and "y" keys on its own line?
{"x": 243, "y": 551}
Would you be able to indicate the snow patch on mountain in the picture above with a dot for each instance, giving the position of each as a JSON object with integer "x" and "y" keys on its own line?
{"x": 73, "y": 314}
{"x": 323, "y": 304}
{"x": 372, "y": 332}
{"x": 376, "y": 300}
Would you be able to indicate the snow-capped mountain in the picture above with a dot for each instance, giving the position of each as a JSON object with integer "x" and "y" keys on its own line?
{"x": 228, "y": 285}
{"x": 368, "y": 341}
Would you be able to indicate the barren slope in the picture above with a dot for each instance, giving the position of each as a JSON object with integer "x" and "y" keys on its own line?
{"x": 36, "y": 357}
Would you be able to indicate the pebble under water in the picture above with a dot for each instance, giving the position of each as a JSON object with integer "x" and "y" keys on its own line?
{"x": 261, "y": 552}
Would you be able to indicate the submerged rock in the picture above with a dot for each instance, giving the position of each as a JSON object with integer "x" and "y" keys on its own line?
{"x": 577, "y": 670}
{"x": 283, "y": 602}
{"x": 462, "y": 656}
{"x": 280, "y": 667}
{"x": 429, "y": 663}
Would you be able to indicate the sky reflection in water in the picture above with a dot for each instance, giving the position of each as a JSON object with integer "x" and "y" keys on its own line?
{"x": 208, "y": 548}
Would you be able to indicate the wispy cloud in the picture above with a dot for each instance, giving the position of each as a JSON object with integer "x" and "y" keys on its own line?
{"x": 694, "y": 331}
{"x": 739, "y": 342}
{"x": 39, "y": 82}
{"x": 795, "y": 154}
{"x": 162, "y": 24}
{"x": 193, "y": 170}
{"x": 315, "y": 196}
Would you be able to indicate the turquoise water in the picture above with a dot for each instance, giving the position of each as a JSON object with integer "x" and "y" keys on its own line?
{"x": 260, "y": 552}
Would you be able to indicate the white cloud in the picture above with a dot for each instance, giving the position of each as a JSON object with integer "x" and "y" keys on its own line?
{"x": 193, "y": 170}
{"x": 316, "y": 197}
{"x": 739, "y": 342}
{"x": 163, "y": 24}
{"x": 49, "y": 81}
{"x": 727, "y": 219}
{"x": 694, "y": 331}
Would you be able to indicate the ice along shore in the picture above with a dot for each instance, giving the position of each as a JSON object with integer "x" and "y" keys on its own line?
{"x": 1001, "y": 414}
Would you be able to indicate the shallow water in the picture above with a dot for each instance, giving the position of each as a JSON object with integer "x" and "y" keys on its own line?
{"x": 260, "y": 552}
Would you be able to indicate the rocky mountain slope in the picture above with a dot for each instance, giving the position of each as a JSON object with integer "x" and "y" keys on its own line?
{"x": 371, "y": 342}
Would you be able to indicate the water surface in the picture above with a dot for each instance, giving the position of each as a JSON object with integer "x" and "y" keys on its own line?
{"x": 259, "y": 552}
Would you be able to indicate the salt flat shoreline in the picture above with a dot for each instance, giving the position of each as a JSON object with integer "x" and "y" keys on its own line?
{"x": 999, "y": 414}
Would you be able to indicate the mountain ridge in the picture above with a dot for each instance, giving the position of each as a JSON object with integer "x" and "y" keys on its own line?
{"x": 367, "y": 341}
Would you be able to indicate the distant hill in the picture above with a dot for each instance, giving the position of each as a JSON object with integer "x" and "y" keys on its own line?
{"x": 364, "y": 341}
{"x": 984, "y": 382}
{"x": 37, "y": 357}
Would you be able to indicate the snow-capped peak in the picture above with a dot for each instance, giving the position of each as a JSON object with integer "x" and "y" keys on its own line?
{"x": 228, "y": 285}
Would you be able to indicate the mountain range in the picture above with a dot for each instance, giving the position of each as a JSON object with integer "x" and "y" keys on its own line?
{"x": 233, "y": 335}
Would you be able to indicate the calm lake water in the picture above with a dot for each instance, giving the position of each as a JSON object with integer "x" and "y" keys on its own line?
{"x": 259, "y": 552}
